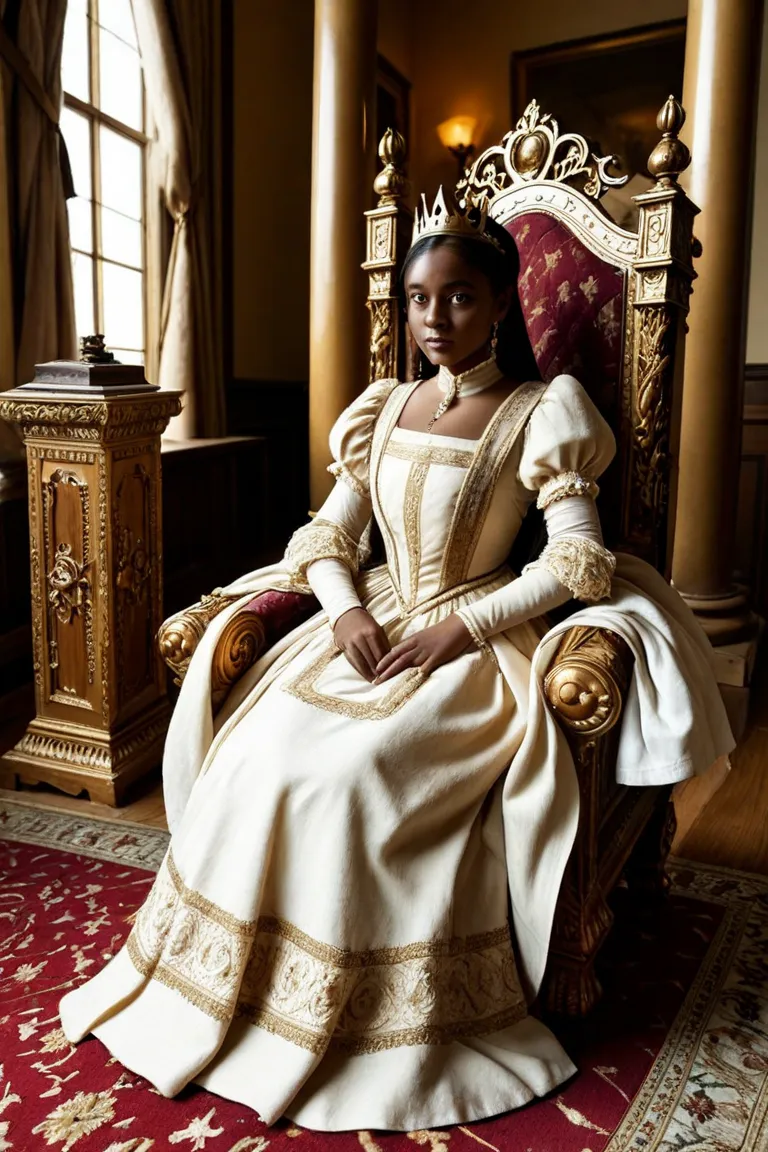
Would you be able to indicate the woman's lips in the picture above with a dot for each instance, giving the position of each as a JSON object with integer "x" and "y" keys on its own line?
{"x": 438, "y": 342}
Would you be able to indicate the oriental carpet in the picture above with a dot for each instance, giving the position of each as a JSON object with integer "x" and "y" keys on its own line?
{"x": 675, "y": 1059}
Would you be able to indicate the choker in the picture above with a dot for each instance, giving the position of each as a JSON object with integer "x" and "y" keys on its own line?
{"x": 467, "y": 383}
{"x": 474, "y": 380}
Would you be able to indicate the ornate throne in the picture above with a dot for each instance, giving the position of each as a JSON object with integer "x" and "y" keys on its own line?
{"x": 608, "y": 305}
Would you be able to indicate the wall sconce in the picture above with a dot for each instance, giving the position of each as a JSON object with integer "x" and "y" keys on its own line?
{"x": 456, "y": 135}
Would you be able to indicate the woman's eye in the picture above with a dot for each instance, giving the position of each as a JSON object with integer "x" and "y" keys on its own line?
{"x": 460, "y": 297}
{"x": 418, "y": 298}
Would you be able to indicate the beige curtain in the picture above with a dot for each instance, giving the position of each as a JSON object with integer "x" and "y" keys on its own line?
{"x": 37, "y": 315}
{"x": 180, "y": 48}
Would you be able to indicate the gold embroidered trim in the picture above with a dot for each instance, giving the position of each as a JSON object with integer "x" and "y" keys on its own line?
{"x": 311, "y": 993}
{"x": 389, "y": 416}
{"x": 584, "y": 567}
{"x": 304, "y": 687}
{"x": 488, "y": 581}
{"x": 319, "y": 540}
{"x": 414, "y": 494}
{"x": 430, "y": 454}
{"x": 564, "y": 485}
{"x": 341, "y": 472}
{"x": 480, "y": 481}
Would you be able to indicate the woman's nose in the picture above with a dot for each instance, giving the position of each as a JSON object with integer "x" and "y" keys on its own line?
{"x": 435, "y": 317}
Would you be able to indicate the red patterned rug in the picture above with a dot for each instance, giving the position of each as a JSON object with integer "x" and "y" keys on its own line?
{"x": 674, "y": 1060}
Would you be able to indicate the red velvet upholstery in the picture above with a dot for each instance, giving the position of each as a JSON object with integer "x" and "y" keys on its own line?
{"x": 281, "y": 612}
{"x": 573, "y": 307}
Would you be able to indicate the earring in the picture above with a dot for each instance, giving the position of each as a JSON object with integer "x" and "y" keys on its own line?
{"x": 494, "y": 338}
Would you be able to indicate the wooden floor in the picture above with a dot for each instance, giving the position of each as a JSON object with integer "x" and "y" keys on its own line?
{"x": 728, "y": 826}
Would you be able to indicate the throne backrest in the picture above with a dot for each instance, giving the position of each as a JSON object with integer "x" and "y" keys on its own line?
{"x": 601, "y": 302}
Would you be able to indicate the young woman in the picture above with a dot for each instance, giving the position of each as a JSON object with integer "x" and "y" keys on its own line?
{"x": 328, "y": 937}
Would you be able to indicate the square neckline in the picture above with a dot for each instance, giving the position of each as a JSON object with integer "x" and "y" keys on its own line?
{"x": 406, "y": 432}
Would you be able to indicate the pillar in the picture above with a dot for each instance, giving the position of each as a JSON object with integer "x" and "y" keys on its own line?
{"x": 92, "y": 434}
{"x": 721, "y": 70}
{"x": 343, "y": 151}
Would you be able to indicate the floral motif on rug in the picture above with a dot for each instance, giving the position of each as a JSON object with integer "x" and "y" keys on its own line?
{"x": 675, "y": 1059}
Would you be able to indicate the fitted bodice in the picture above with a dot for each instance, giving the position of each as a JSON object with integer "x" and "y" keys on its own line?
{"x": 448, "y": 508}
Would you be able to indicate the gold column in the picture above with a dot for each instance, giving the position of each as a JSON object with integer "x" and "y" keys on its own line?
{"x": 342, "y": 170}
{"x": 721, "y": 69}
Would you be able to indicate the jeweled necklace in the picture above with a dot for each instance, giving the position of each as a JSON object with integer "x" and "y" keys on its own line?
{"x": 467, "y": 383}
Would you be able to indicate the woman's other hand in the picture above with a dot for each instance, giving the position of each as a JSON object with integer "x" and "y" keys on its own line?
{"x": 362, "y": 640}
{"x": 427, "y": 649}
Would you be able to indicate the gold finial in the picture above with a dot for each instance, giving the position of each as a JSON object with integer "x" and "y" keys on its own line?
{"x": 670, "y": 157}
{"x": 391, "y": 184}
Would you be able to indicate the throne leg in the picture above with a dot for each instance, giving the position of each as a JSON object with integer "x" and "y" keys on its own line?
{"x": 571, "y": 986}
{"x": 646, "y": 868}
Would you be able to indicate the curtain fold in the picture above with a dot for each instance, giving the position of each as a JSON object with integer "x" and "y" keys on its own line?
{"x": 179, "y": 42}
{"x": 37, "y": 313}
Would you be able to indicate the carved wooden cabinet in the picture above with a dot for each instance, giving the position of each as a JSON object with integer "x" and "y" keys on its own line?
{"x": 93, "y": 457}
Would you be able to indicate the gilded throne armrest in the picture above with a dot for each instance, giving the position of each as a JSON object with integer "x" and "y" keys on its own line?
{"x": 251, "y": 631}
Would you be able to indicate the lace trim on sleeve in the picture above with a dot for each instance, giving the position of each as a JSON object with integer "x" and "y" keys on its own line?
{"x": 341, "y": 472}
{"x": 584, "y": 567}
{"x": 564, "y": 485}
{"x": 319, "y": 540}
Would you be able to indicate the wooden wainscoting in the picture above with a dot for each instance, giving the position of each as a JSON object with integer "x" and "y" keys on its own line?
{"x": 752, "y": 515}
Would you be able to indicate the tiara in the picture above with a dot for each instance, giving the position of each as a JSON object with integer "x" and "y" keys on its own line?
{"x": 469, "y": 221}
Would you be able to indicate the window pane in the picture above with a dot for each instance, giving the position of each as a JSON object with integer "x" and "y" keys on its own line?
{"x": 74, "y": 56}
{"x": 120, "y": 75}
{"x": 80, "y": 224}
{"x": 120, "y": 173}
{"x": 120, "y": 238}
{"x": 82, "y": 275}
{"x": 128, "y": 355}
{"x": 76, "y": 132}
{"x": 123, "y": 307}
{"x": 117, "y": 16}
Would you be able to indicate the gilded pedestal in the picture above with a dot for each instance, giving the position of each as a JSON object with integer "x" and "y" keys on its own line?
{"x": 93, "y": 458}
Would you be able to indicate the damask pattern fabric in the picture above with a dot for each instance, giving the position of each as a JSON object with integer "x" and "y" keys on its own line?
{"x": 572, "y": 302}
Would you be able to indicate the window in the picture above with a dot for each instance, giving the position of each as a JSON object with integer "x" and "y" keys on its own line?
{"x": 103, "y": 125}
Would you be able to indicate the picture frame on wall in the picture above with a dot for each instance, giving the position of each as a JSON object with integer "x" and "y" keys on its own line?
{"x": 610, "y": 86}
{"x": 393, "y": 99}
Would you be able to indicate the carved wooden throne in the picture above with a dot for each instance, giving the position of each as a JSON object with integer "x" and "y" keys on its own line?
{"x": 607, "y": 305}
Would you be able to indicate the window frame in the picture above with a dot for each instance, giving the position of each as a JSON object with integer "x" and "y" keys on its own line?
{"x": 97, "y": 118}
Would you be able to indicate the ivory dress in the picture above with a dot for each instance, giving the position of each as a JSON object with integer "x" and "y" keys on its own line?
{"x": 328, "y": 937}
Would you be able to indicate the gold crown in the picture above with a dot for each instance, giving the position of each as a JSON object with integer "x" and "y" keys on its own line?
{"x": 468, "y": 221}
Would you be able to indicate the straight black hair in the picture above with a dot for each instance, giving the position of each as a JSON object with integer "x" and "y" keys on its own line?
{"x": 513, "y": 352}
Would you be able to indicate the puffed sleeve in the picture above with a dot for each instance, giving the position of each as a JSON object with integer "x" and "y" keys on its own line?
{"x": 567, "y": 446}
{"x": 335, "y": 532}
{"x": 351, "y": 435}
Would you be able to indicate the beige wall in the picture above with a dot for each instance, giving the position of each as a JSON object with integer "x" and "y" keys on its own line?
{"x": 456, "y": 65}
{"x": 462, "y": 61}
{"x": 272, "y": 144}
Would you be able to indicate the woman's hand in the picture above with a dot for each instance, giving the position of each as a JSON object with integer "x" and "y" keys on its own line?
{"x": 427, "y": 649}
{"x": 362, "y": 640}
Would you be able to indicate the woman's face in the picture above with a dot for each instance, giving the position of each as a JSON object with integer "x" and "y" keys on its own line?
{"x": 452, "y": 308}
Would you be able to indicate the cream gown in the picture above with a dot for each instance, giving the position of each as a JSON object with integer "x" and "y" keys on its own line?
{"x": 328, "y": 936}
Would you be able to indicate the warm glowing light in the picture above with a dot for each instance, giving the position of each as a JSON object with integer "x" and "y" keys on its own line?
{"x": 457, "y": 132}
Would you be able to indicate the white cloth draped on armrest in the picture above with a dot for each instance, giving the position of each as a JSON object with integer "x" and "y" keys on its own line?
{"x": 573, "y": 526}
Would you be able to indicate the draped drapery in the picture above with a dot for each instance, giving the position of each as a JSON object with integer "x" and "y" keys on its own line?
{"x": 179, "y": 43}
{"x": 37, "y": 314}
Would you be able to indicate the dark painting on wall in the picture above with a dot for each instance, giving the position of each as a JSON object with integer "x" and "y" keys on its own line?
{"x": 609, "y": 89}
{"x": 392, "y": 102}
